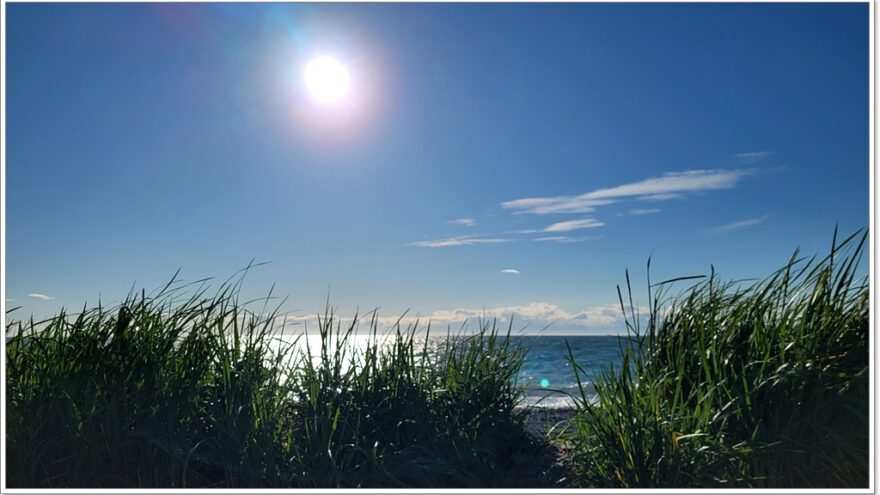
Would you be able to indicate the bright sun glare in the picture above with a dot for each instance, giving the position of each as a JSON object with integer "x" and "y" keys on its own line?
{"x": 327, "y": 79}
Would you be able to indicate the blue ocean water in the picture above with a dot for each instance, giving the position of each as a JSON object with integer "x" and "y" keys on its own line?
{"x": 547, "y": 375}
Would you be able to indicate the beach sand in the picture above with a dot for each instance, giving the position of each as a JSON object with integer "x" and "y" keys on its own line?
{"x": 542, "y": 420}
{"x": 544, "y": 467}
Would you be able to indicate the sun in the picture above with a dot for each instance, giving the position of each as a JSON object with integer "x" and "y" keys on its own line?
{"x": 327, "y": 79}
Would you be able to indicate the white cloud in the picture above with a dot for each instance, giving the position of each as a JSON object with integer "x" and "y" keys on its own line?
{"x": 675, "y": 183}
{"x": 560, "y": 204}
{"x": 660, "y": 197}
{"x": 535, "y": 316}
{"x": 668, "y": 186}
{"x": 510, "y": 271}
{"x": 607, "y": 314}
{"x": 753, "y": 156}
{"x": 458, "y": 241}
{"x": 467, "y": 222}
{"x": 562, "y": 239}
{"x": 568, "y": 226}
{"x": 643, "y": 211}
{"x": 41, "y": 297}
{"x": 730, "y": 227}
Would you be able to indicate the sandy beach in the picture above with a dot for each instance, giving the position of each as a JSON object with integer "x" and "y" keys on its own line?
{"x": 542, "y": 420}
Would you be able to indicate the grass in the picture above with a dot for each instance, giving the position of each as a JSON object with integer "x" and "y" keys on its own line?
{"x": 734, "y": 385}
{"x": 159, "y": 392}
{"x": 727, "y": 384}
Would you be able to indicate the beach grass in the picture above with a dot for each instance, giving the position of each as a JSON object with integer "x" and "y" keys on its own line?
{"x": 724, "y": 384}
{"x": 735, "y": 384}
{"x": 161, "y": 391}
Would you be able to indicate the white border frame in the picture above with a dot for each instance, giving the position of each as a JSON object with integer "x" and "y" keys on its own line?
{"x": 872, "y": 283}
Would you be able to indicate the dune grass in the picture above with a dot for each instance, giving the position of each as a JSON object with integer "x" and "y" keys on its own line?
{"x": 159, "y": 392}
{"x": 736, "y": 385}
{"x": 728, "y": 384}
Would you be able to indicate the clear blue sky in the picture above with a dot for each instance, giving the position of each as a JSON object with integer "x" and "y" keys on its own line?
{"x": 146, "y": 138}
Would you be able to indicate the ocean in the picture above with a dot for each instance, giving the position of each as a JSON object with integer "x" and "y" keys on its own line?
{"x": 547, "y": 375}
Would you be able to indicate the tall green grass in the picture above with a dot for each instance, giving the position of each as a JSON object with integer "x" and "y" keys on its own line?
{"x": 736, "y": 385}
{"x": 173, "y": 390}
{"x": 727, "y": 384}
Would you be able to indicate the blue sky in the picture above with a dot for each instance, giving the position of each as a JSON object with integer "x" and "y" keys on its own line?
{"x": 497, "y": 158}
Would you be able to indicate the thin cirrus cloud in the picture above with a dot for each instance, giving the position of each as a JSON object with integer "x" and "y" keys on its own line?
{"x": 568, "y": 226}
{"x": 466, "y": 222}
{"x": 562, "y": 239}
{"x": 510, "y": 271}
{"x": 458, "y": 241}
{"x": 644, "y": 211}
{"x": 559, "y": 204}
{"x": 670, "y": 185}
{"x": 40, "y": 297}
{"x": 753, "y": 156}
{"x": 661, "y": 197}
{"x": 742, "y": 224}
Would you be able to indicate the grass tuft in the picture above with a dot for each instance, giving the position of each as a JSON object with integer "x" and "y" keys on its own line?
{"x": 202, "y": 392}
{"x": 764, "y": 385}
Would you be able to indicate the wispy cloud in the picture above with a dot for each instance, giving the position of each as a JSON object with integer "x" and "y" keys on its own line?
{"x": 41, "y": 297}
{"x": 559, "y": 204}
{"x": 568, "y": 226}
{"x": 458, "y": 241}
{"x": 675, "y": 183}
{"x": 661, "y": 197}
{"x": 467, "y": 222}
{"x": 668, "y": 186}
{"x": 643, "y": 211}
{"x": 730, "y": 227}
{"x": 510, "y": 271}
{"x": 562, "y": 239}
{"x": 753, "y": 156}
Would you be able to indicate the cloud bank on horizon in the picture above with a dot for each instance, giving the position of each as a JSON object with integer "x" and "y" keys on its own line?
{"x": 535, "y": 316}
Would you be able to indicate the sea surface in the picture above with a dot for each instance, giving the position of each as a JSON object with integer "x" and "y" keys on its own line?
{"x": 547, "y": 374}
